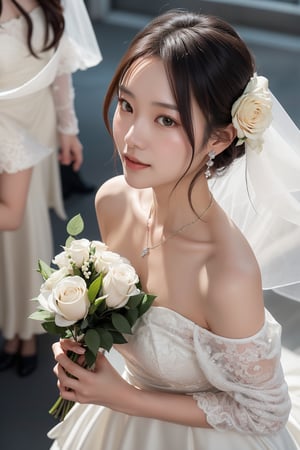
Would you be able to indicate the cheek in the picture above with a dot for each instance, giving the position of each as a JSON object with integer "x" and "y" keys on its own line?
{"x": 177, "y": 149}
{"x": 118, "y": 130}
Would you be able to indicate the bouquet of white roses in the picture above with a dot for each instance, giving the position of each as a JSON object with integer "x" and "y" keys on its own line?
{"x": 93, "y": 297}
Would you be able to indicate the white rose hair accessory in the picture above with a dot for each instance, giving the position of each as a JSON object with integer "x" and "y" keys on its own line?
{"x": 261, "y": 190}
{"x": 252, "y": 112}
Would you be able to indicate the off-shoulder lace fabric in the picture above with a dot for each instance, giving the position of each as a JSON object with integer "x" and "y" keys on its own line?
{"x": 252, "y": 395}
{"x": 239, "y": 384}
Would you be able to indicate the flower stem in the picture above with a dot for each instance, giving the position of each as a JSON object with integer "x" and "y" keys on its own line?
{"x": 61, "y": 407}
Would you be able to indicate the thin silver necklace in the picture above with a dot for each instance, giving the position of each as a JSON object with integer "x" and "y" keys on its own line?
{"x": 146, "y": 250}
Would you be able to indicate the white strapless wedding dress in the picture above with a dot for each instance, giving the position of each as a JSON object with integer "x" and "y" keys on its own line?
{"x": 169, "y": 352}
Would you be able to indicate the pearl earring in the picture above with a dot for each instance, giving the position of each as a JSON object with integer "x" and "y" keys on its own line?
{"x": 209, "y": 163}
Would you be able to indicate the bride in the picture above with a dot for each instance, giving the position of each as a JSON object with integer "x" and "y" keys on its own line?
{"x": 193, "y": 129}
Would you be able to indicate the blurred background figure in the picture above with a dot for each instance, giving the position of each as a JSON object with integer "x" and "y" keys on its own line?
{"x": 41, "y": 45}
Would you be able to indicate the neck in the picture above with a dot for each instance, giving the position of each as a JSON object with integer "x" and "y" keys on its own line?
{"x": 171, "y": 209}
{"x": 157, "y": 234}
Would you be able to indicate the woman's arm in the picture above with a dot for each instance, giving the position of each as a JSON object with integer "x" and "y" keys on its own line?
{"x": 104, "y": 386}
{"x": 67, "y": 124}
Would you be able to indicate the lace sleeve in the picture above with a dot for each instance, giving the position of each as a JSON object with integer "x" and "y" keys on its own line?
{"x": 63, "y": 94}
{"x": 250, "y": 394}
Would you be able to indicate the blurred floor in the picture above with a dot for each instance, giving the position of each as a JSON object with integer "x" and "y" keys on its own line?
{"x": 24, "y": 402}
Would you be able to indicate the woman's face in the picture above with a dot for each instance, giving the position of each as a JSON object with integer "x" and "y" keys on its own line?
{"x": 149, "y": 136}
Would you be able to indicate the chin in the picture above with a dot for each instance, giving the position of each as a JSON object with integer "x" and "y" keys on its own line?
{"x": 134, "y": 182}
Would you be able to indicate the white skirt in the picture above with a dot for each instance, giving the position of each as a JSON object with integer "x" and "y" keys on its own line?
{"x": 91, "y": 427}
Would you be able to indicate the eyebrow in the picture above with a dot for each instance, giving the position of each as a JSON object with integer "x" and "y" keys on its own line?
{"x": 162, "y": 104}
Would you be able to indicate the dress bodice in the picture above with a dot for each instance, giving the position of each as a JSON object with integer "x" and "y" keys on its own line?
{"x": 14, "y": 50}
{"x": 161, "y": 354}
{"x": 229, "y": 378}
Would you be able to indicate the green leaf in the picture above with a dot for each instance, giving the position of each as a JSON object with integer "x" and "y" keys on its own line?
{"x": 90, "y": 358}
{"x": 44, "y": 269}
{"x": 120, "y": 323}
{"x": 99, "y": 305}
{"x": 84, "y": 324}
{"x": 95, "y": 288}
{"x": 106, "y": 339}
{"x": 42, "y": 315}
{"x": 100, "y": 301}
{"x": 52, "y": 328}
{"x": 75, "y": 225}
{"x": 92, "y": 340}
{"x": 76, "y": 271}
{"x": 135, "y": 300}
{"x": 118, "y": 338}
{"x": 132, "y": 315}
{"x": 146, "y": 303}
{"x": 105, "y": 324}
{"x": 68, "y": 241}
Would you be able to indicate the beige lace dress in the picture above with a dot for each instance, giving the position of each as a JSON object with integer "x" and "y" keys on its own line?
{"x": 28, "y": 135}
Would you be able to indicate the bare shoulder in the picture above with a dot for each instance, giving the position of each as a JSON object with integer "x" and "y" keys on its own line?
{"x": 111, "y": 188}
{"x": 110, "y": 202}
{"x": 235, "y": 305}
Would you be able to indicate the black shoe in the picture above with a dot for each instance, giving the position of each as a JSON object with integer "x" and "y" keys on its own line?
{"x": 26, "y": 365}
{"x": 73, "y": 183}
{"x": 81, "y": 186}
{"x": 7, "y": 360}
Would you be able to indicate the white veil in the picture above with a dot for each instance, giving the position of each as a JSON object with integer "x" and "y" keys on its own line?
{"x": 79, "y": 30}
{"x": 261, "y": 193}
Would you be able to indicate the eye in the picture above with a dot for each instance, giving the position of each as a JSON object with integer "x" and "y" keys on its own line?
{"x": 166, "y": 121}
{"x": 124, "y": 105}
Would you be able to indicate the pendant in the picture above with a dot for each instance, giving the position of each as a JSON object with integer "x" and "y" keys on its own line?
{"x": 145, "y": 252}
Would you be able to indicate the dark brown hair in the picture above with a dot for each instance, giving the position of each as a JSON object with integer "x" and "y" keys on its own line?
{"x": 203, "y": 57}
{"x": 53, "y": 13}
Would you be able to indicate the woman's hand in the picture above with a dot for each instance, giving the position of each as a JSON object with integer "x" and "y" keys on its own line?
{"x": 70, "y": 151}
{"x": 104, "y": 386}
{"x": 101, "y": 386}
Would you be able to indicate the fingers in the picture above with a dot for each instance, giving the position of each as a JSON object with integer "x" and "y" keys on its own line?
{"x": 70, "y": 151}
{"x": 77, "y": 156}
{"x": 66, "y": 385}
{"x": 68, "y": 373}
{"x": 70, "y": 344}
{"x": 62, "y": 347}
{"x": 100, "y": 360}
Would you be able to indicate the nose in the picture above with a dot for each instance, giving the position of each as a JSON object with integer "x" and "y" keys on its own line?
{"x": 135, "y": 136}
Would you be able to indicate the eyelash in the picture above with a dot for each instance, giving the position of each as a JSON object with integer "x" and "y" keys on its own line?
{"x": 173, "y": 123}
{"x": 122, "y": 102}
{"x": 126, "y": 107}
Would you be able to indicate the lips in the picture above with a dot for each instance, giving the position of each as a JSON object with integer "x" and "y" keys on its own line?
{"x": 134, "y": 163}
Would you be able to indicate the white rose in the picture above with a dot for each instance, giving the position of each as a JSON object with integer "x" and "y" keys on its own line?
{"x": 119, "y": 283}
{"x": 68, "y": 300}
{"x": 62, "y": 260}
{"x": 99, "y": 246}
{"x": 54, "y": 278}
{"x": 79, "y": 251}
{"x": 106, "y": 259}
{"x": 252, "y": 112}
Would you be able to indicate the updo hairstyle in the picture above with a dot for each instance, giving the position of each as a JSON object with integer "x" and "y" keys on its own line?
{"x": 204, "y": 57}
